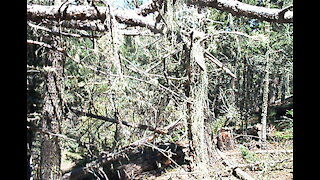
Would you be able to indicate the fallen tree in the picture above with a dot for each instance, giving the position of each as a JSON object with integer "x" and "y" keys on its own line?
{"x": 238, "y": 8}
{"x": 81, "y": 17}
{"x": 143, "y": 161}
{"x": 38, "y": 13}
{"x": 151, "y": 159}
{"x": 138, "y": 17}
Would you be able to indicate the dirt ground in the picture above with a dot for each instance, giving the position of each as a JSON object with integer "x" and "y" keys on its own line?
{"x": 272, "y": 161}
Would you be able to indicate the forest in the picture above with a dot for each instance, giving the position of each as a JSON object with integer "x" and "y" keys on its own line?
{"x": 159, "y": 89}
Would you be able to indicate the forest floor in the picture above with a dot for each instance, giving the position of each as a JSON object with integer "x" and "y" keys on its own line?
{"x": 272, "y": 161}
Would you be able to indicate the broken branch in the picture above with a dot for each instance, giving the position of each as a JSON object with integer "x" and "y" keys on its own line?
{"x": 129, "y": 124}
{"x": 46, "y": 45}
{"x": 238, "y": 172}
{"x": 219, "y": 64}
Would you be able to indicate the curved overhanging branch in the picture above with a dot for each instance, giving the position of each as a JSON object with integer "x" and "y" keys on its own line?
{"x": 242, "y": 9}
{"x": 38, "y": 13}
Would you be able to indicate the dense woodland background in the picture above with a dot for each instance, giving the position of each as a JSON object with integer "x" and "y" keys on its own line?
{"x": 115, "y": 82}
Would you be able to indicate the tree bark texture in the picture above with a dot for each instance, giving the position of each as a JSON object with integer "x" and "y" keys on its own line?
{"x": 137, "y": 17}
{"x": 37, "y": 13}
{"x": 265, "y": 100}
{"x": 52, "y": 115}
{"x": 197, "y": 110}
{"x": 238, "y": 8}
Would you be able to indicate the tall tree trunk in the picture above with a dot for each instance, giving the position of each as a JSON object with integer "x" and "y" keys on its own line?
{"x": 285, "y": 86}
{"x": 197, "y": 92}
{"x": 265, "y": 96}
{"x": 50, "y": 155}
{"x": 265, "y": 100}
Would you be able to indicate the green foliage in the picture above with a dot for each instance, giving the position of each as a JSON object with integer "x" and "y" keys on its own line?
{"x": 286, "y": 123}
{"x": 289, "y": 112}
{"x": 247, "y": 155}
{"x": 153, "y": 90}
{"x": 219, "y": 123}
{"x": 284, "y": 135}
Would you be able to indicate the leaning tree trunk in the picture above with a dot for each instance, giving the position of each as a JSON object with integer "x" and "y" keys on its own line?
{"x": 50, "y": 156}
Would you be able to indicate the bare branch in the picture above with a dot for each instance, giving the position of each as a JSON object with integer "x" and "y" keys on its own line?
{"x": 81, "y": 25}
{"x": 242, "y": 9}
{"x": 219, "y": 64}
{"x": 46, "y": 45}
{"x": 111, "y": 156}
{"x": 39, "y": 13}
{"x": 57, "y": 33}
{"x": 129, "y": 124}
{"x": 51, "y": 134}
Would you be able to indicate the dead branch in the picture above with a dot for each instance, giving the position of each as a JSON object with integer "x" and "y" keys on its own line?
{"x": 236, "y": 170}
{"x": 219, "y": 64}
{"x": 38, "y": 13}
{"x": 58, "y": 33}
{"x": 51, "y": 134}
{"x": 109, "y": 156}
{"x": 78, "y": 24}
{"x": 246, "y": 135}
{"x": 264, "y": 151}
{"x": 117, "y": 121}
{"x": 255, "y": 166}
{"x": 46, "y": 45}
{"x": 166, "y": 153}
{"x": 113, "y": 155}
{"x": 238, "y": 8}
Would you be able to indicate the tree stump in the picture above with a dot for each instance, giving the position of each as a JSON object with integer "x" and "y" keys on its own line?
{"x": 225, "y": 139}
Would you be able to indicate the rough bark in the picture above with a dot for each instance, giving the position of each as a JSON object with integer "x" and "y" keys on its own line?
{"x": 52, "y": 115}
{"x": 242, "y": 9}
{"x": 265, "y": 102}
{"x": 37, "y": 13}
{"x": 137, "y": 17}
{"x": 197, "y": 91}
{"x": 225, "y": 139}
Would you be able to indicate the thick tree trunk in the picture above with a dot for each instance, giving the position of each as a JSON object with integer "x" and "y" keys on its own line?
{"x": 197, "y": 109}
{"x": 52, "y": 115}
{"x": 238, "y": 8}
{"x": 37, "y": 13}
